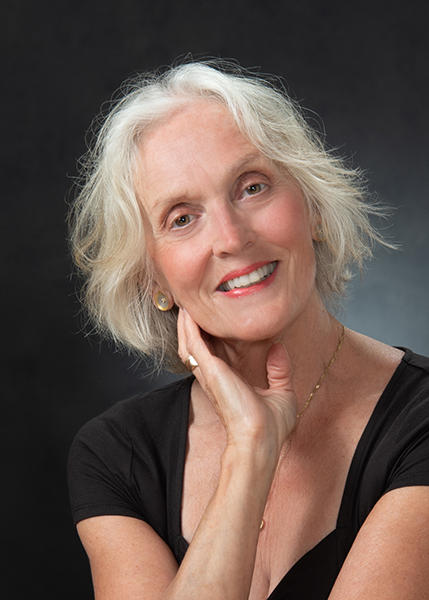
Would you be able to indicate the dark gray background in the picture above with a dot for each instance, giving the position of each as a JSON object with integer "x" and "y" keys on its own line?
{"x": 361, "y": 66}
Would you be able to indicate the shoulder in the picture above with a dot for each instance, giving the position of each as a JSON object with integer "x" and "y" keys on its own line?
{"x": 150, "y": 411}
{"x": 402, "y": 387}
{"x": 417, "y": 366}
{"x": 145, "y": 428}
{"x": 407, "y": 392}
{"x": 391, "y": 388}
{"x": 395, "y": 444}
{"x": 393, "y": 450}
{"x": 373, "y": 368}
{"x": 119, "y": 461}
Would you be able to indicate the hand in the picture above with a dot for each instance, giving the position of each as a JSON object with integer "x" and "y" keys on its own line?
{"x": 249, "y": 414}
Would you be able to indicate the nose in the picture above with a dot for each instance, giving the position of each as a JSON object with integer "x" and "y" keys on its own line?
{"x": 232, "y": 231}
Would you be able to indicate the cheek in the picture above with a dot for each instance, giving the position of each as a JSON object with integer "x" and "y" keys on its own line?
{"x": 179, "y": 267}
{"x": 287, "y": 225}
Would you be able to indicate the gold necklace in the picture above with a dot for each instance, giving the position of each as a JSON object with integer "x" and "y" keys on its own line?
{"x": 298, "y": 416}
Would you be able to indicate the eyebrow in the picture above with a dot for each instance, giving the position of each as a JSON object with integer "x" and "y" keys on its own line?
{"x": 162, "y": 204}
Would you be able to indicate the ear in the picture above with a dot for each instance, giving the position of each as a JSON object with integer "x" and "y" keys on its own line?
{"x": 317, "y": 226}
{"x": 320, "y": 232}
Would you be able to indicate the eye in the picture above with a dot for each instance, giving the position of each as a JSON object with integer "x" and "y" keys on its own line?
{"x": 181, "y": 216}
{"x": 255, "y": 188}
{"x": 182, "y": 221}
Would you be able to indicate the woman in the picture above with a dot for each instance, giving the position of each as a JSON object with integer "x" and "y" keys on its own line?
{"x": 294, "y": 463}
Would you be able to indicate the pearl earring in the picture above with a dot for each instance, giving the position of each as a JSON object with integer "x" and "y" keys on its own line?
{"x": 162, "y": 302}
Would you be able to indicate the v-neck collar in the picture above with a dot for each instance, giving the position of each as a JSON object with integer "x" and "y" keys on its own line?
{"x": 304, "y": 566}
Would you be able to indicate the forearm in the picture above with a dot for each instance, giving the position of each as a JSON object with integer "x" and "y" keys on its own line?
{"x": 220, "y": 560}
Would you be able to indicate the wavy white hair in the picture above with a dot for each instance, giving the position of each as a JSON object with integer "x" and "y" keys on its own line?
{"x": 107, "y": 234}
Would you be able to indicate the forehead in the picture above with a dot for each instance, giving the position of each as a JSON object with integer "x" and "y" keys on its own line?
{"x": 191, "y": 146}
{"x": 198, "y": 121}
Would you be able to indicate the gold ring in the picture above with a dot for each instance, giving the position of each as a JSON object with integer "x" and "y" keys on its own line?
{"x": 191, "y": 363}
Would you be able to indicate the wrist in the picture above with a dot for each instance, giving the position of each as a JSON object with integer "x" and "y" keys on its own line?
{"x": 255, "y": 462}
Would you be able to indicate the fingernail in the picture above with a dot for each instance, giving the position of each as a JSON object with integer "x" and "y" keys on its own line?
{"x": 281, "y": 343}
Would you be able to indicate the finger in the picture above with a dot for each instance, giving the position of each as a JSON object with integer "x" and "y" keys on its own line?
{"x": 190, "y": 339}
{"x": 181, "y": 336}
{"x": 279, "y": 370}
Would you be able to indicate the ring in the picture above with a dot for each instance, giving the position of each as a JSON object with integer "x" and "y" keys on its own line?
{"x": 191, "y": 363}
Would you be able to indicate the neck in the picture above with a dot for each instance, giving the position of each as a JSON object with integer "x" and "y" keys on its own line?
{"x": 310, "y": 342}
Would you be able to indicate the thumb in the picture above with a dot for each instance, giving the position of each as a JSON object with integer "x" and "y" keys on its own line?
{"x": 279, "y": 370}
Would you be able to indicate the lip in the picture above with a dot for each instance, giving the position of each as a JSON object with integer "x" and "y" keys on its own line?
{"x": 245, "y": 271}
{"x": 240, "y": 292}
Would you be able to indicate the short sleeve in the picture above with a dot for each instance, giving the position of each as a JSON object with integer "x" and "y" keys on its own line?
{"x": 411, "y": 456}
{"x": 100, "y": 472}
{"x": 129, "y": 461}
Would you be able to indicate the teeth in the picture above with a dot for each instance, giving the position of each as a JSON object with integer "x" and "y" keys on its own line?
{"x": 250, "y": 279}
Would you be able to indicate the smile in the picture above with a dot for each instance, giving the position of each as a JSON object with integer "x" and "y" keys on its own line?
{"x": 248, "y": 280}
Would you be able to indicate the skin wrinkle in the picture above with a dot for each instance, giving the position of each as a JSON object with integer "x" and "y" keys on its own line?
{"x": 162, "y": 204}
{"x": 158, "y": 238}
{"x": 247, "y": 393}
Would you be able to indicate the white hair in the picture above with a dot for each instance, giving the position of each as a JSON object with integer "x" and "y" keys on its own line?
{"x": 107, "y": 234}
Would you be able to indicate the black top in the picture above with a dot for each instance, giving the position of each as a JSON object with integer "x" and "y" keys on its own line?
{"x": 129, "y": 461}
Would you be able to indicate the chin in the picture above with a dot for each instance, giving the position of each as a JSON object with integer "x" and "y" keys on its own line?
{"x": 252, "y": 334}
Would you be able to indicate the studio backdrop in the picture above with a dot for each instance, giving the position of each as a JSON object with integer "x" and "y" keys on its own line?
{"x": 361, "y": 71}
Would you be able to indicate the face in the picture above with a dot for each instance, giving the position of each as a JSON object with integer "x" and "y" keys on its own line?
{"x": 228, "y": 233}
